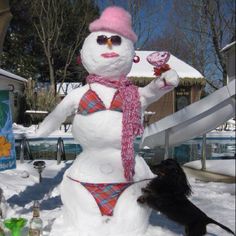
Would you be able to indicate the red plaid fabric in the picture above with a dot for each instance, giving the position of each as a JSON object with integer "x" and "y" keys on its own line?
{"x": 91, "y": 103}
{"x": 106, "y": 195}
{"x": 117, "y": 102}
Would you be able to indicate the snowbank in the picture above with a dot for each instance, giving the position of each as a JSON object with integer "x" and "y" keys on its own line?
{"x": 21, "y": 188}
{"x": 224, "y": 167}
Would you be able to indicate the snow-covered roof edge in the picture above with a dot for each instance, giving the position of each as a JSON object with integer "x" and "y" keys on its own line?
{"x": 12, "y": 76}
{"x": 143, "y": 81}
{"x": 228, "y": 46}
{"x": 144, "y": 69}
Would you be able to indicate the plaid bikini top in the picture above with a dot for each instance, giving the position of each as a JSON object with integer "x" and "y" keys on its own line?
{"x": 91, "y": 102}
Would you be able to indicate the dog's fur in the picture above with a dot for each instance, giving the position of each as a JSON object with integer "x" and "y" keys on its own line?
{"x": 168, "y": 193}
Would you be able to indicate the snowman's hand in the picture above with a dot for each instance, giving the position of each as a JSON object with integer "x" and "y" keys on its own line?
{"x": 158, "y": 87}
{"x": 168, "y": 80}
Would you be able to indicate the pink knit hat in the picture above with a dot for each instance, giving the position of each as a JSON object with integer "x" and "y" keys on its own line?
{"x": 116, "y": 20}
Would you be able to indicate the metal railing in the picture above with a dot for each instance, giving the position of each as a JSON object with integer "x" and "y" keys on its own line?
{"x": 60, "y": 155}
{"x": 25, "y": 150}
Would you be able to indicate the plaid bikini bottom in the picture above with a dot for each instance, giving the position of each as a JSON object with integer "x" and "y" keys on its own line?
{"x": 106, "y": 194}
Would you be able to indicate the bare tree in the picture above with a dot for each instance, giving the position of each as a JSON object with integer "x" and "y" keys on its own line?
{"x": 196, "y": 32}
{"x": 5, "y": 18}
{"x": 221, "y": 23}
{"x": 50, "y": 21}
{"x": 212, "y": 27}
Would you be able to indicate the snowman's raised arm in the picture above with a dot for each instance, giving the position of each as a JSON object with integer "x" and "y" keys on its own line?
{"x": 64, "y": 109}
{"x": 158, "y": 87}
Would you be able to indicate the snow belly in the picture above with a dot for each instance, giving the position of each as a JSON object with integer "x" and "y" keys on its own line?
{"x": 102, "y": 129}
{"x": 100, "y": 163}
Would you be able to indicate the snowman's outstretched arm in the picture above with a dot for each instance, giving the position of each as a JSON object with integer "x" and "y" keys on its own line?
{"x": 64, "y": 109}
{"x": 158, "y": 87}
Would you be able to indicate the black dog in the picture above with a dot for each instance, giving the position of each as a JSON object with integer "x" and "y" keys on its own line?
{"x": 168, "y": 194}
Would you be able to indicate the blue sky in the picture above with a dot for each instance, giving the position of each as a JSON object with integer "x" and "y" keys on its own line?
{"x": 159, "y": 18}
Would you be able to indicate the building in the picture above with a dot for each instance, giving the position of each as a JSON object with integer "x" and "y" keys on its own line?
{"x": 15, "y": 85}
{"x": 188, "y": 91}
{"x": 229, "y": 52}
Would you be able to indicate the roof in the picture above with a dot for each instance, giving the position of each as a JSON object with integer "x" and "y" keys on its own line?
{"x": 228, "y": 46}
{"x": 144, "y": 69}
{"x": 12, "y": 76}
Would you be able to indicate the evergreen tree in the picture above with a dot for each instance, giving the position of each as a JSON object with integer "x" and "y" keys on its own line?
{"x": 5, "y": 18}
{"x": 21, "y": 52}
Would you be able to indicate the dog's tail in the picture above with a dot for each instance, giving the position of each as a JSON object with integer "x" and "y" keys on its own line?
{"x": 211, "y": 221}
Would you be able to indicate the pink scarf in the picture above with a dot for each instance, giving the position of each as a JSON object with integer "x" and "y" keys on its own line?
{"x": 131, "y": 120}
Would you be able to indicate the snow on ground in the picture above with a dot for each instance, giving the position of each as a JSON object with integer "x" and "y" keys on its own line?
{"x": 21, "y": 188}
{"x": 224, "y": 167}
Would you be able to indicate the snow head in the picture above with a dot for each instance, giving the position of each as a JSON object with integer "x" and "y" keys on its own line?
{"x": 108, "y": 51}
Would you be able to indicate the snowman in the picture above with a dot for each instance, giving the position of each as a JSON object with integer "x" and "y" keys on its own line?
{"x": 100, "y": 189}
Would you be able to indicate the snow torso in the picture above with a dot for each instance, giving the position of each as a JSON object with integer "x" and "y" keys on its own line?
{"x": 99, "y": 134}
